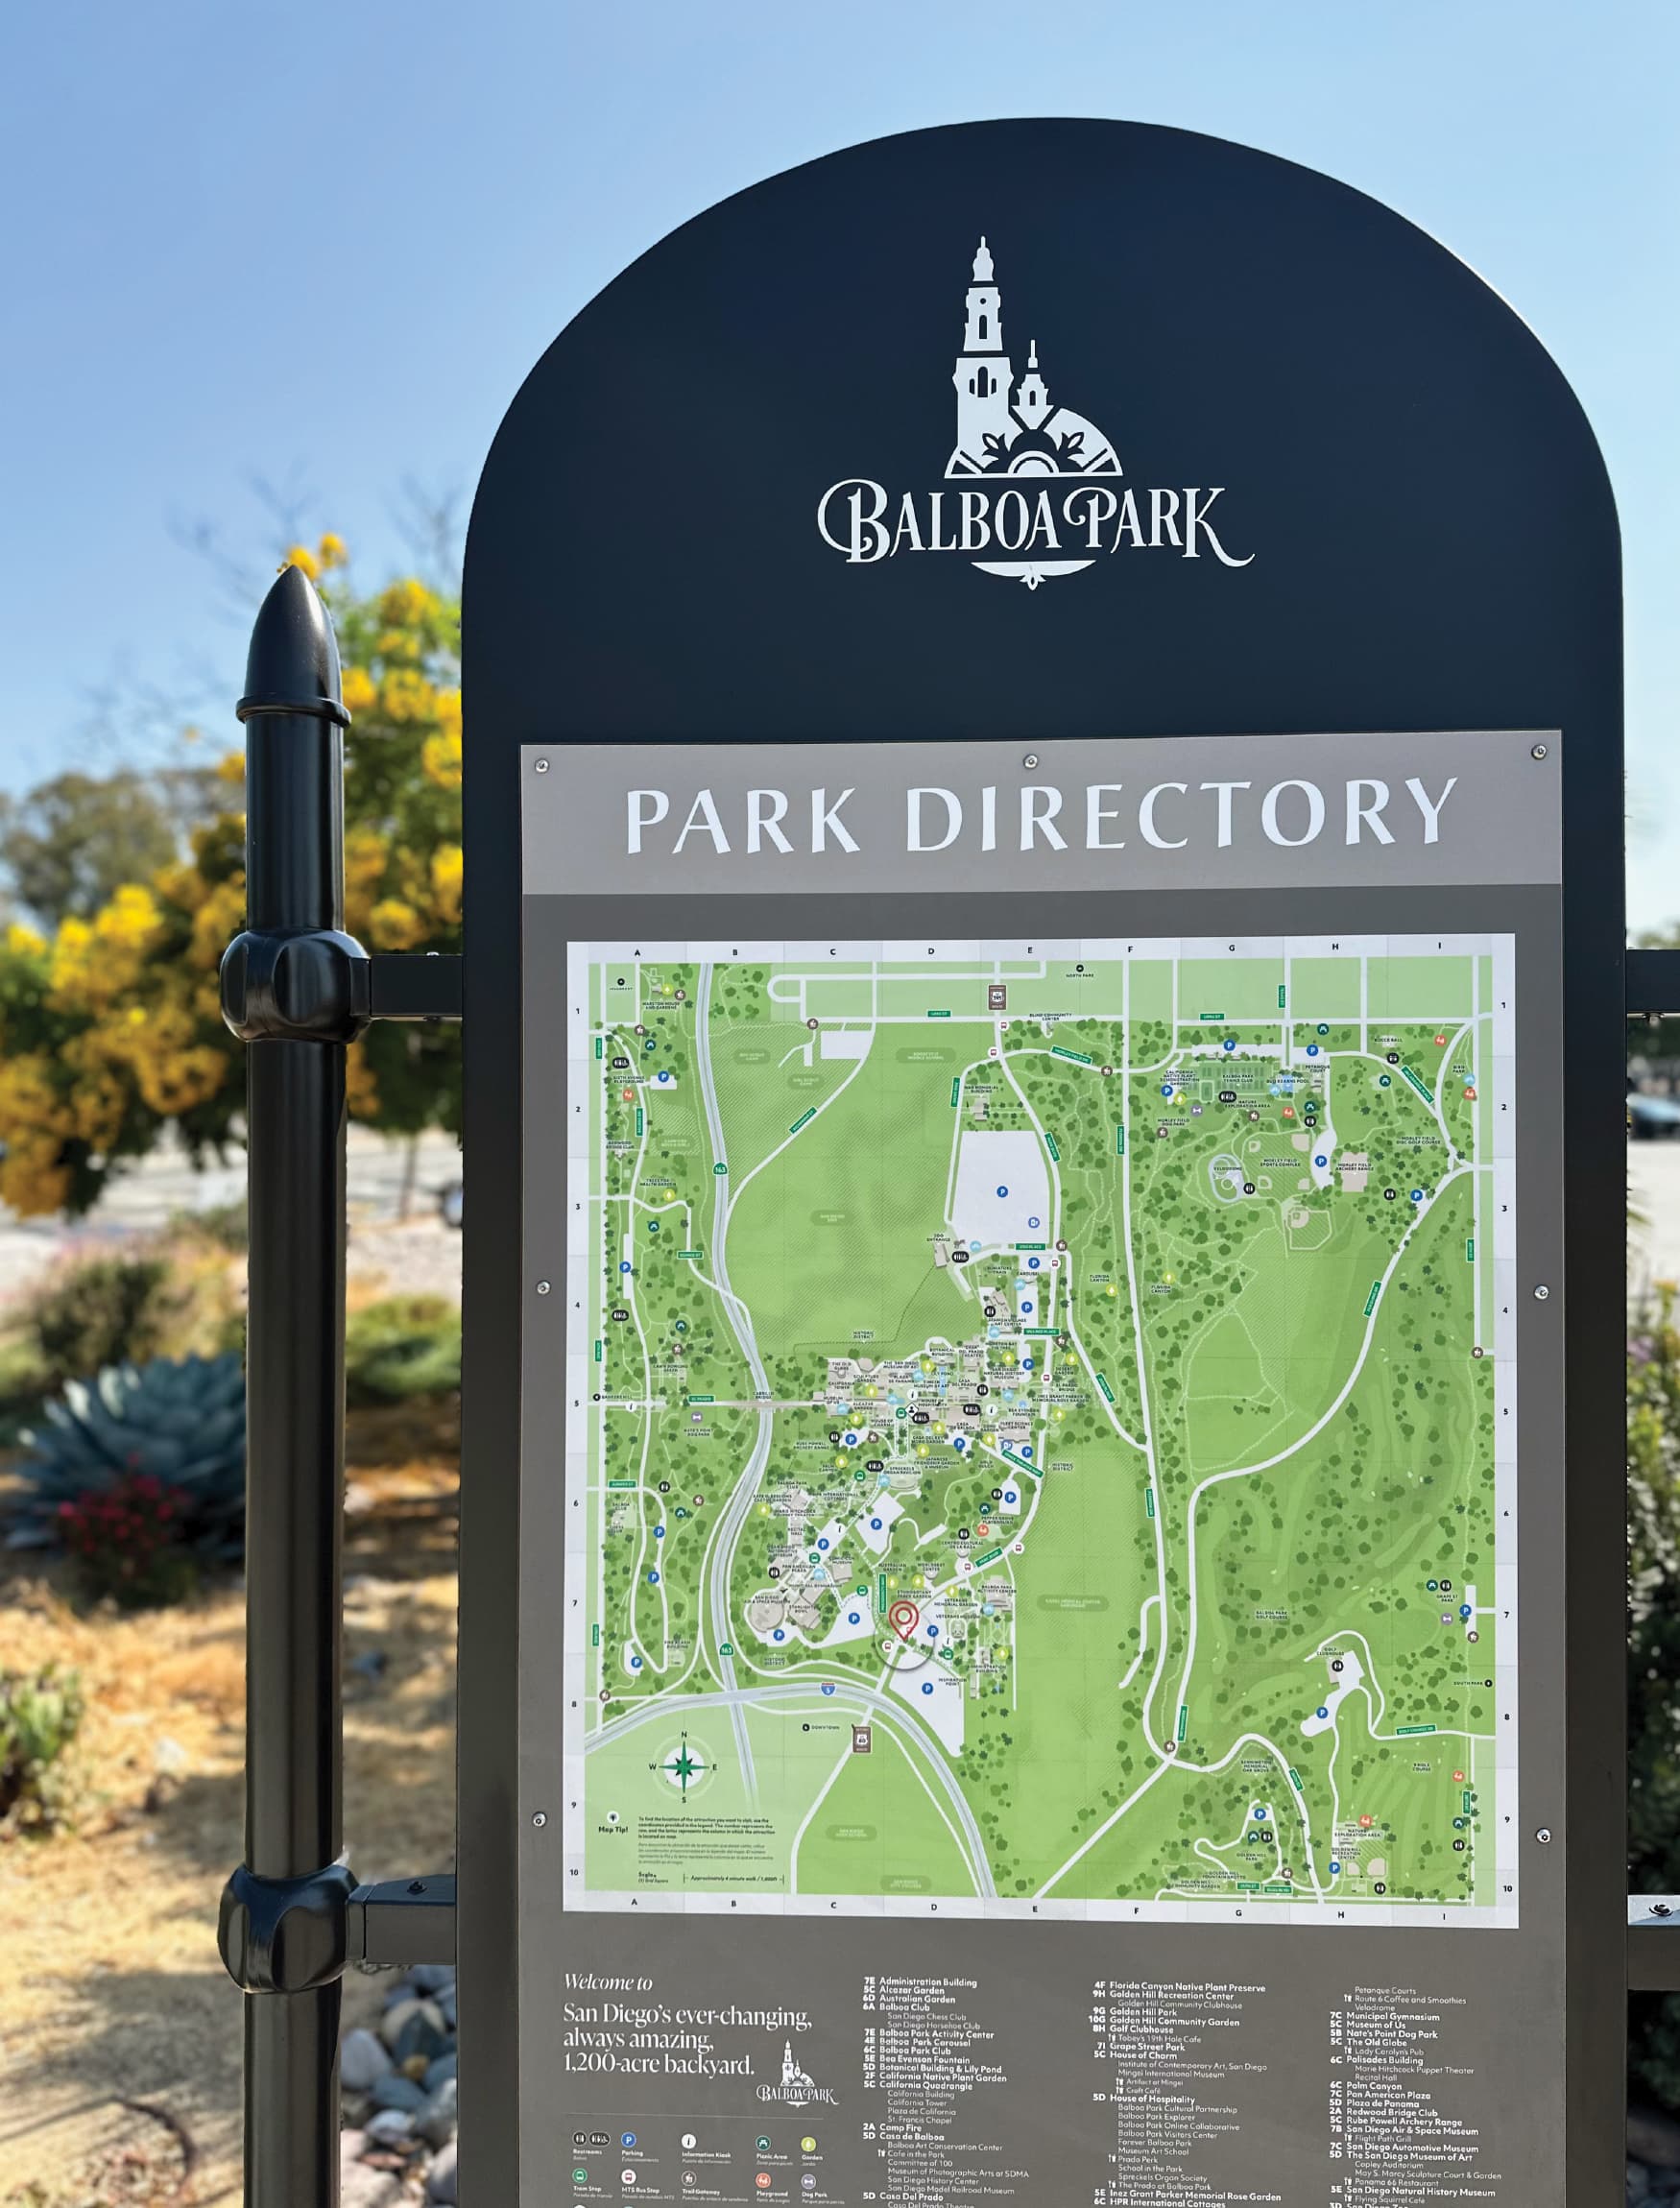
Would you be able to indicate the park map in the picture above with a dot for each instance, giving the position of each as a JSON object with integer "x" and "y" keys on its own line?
{"x": 1044, "y": 1429}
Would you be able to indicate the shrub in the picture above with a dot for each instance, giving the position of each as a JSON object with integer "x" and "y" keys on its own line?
{"x": 23, "y": 1382}
{"x": 227, "y": 1226}
{"x": 402, "y": 1346}
{"x": 40, "y": 1715}
{"x": 103, "y": 1311}
{"x": 1653, "y": 1665}
{"x": 126, "y": 1540}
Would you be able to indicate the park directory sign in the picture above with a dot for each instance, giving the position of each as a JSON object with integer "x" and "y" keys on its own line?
{"x": 1042, "y": 784}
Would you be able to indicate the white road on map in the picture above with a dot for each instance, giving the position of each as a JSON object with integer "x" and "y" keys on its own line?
{"x": 738, "y": 1507}
{"x": 740, "y": 1698}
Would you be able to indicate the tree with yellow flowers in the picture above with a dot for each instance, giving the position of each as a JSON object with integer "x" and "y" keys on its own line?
{"x": 111, "y": 1029}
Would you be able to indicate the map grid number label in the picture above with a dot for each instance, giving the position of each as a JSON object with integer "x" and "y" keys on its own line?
{"x": 986, "y": 1514}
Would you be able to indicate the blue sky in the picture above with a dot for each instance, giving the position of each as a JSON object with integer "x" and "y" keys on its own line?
{"x": 320, "y": 246}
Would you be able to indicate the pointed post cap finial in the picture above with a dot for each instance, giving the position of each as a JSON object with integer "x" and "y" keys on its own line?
{"x": 291, "y": 666}
{"x": 983, "y": 263}
{"x": 1032, "y": 353}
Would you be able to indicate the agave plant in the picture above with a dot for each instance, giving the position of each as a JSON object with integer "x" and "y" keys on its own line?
{"x": 177, "y": 1420}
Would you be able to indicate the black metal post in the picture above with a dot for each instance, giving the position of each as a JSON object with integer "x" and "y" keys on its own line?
{"x": 295, "y": 987}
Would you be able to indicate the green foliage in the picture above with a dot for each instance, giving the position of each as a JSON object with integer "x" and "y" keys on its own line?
{"x": 1653, "y": 1562}
{"x": 23, "y": 1382}
{"x": 179, "y": 1421}
{"x": 66, "y": 847}
{"x": 40, "y": 1716}
{"x": 110, "y": 1031}
{"x": 101, "y": 1312}
{"x": 225, "y": 1226}
{"x": 1653, "y": 1665}
{"x": 414, "y": 1070}
{"x": 403, "y": 1346}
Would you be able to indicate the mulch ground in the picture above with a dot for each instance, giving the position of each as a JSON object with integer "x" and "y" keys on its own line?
{"x": 119, "y": 2031}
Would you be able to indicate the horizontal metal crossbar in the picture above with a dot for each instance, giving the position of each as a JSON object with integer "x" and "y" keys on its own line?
{"x": 406, "y": 985}
{"x": 402, "y": 1921}
{"x": 1653, "y": 1943}
{"x": 1653, "y": 982}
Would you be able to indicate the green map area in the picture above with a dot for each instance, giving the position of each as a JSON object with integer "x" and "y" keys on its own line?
{"x": 1039, "y": 1436}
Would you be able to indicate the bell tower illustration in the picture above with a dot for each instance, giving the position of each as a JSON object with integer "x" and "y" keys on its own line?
{"x": 1033, "y": 400}
{"x": 797, "y": 2087}
{"x": 1010, "y": 428}
{"x": 983, "y": 375}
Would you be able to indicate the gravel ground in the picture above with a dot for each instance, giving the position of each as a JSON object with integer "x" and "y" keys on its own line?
{"x": 420, "y": 1258}
{"x": 119, "y": 2031}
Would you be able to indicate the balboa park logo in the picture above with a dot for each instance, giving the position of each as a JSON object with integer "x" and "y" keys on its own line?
{"x": 1007, "y": 518}
{"x": 797, "y": 2089}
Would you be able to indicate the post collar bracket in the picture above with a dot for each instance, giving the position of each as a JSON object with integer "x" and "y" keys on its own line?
{"x": 285, "y": 1936}
{"x": 308, "y": 985}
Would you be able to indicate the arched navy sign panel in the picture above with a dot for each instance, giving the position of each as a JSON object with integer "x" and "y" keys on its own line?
{"x": 1178, "y": 558}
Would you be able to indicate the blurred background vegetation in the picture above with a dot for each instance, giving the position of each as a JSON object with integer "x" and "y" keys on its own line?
{"x": 119, "y": 893}
{"x": 1653, "y": 1665}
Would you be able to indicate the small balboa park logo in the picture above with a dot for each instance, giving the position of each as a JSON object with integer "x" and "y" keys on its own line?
{"x": 1037, "y": 488}
{"x": 797, "y": 2089}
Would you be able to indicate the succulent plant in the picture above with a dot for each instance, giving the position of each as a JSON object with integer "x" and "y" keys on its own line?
{"x": 180, "y": 1420}
{"x": 40, "y": 1715}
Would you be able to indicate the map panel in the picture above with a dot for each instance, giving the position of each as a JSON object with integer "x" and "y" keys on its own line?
{"x": 1047, "y": 1431}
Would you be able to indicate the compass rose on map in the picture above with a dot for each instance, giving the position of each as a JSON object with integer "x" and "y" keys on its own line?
{"x": 684, "y": 1767}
